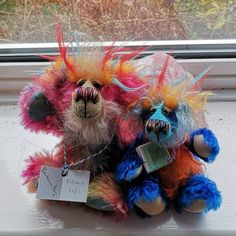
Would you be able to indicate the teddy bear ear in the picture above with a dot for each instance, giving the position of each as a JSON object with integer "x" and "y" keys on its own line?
{"x": 40, "y": 108}
{"x": 37, "y": 112}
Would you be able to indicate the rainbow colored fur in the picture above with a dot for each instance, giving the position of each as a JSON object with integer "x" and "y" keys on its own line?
{"x": 169, "y": 111}
{"x": 82, "y": 98}
{"x": 102, "y": 100}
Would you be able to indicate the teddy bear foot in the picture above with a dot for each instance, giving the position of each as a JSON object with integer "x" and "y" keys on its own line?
{"x": 147, "y": 196}
{"x": 152, "y": 208}
{"x": 105, "y": 194}
{"x": 197, "y": 206}
{"x": 99, "y": 204}
{"x": 200, "y": 194}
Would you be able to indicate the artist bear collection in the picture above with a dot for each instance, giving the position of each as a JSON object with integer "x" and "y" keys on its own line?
{"x": 136, "y": 124}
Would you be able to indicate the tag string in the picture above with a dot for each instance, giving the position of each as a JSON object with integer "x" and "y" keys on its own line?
{"x": 65, "y": 168}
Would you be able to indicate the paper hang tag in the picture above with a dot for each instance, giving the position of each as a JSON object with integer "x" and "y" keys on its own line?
{"x": 154, "y": 157}
{"x": 73, "y": 187}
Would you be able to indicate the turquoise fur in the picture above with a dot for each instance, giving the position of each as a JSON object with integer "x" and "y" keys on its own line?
{"x": 158, "y": 116}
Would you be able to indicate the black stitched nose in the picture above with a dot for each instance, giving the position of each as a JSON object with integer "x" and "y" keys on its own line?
{"x": 86, "y": 94}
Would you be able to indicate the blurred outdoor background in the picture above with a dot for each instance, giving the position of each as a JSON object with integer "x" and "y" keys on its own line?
{"x": 27, "y": 21}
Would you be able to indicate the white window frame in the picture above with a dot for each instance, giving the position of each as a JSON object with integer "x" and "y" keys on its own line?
{"x": 18, "y": 62}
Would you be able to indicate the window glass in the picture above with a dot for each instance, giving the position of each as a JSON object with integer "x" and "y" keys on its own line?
{"x": 31, "y": 21}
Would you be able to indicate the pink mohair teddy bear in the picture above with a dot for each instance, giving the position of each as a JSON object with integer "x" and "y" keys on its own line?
{"x": 81, "y": 98}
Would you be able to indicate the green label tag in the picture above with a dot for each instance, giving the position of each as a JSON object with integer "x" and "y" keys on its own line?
{"x": 154, "y": 157}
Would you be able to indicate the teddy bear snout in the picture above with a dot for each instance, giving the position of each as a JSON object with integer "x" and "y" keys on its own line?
{"x": 157, "y": 126}
{"x": 86, "y": 94}
{"x": 87, "y": 102}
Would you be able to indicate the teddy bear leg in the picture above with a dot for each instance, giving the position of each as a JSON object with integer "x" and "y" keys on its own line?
{"x": 106, "y": 195}
{"x": 147, "y": 196}
{"x": 200, "y": 194}
{"x": 33, "y": 167}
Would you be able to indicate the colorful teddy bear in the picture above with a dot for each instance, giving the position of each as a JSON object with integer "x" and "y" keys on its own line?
{"x": 85, "y": 98}
{"x": 81, "y": 99}
{"x": 170, "y": 112}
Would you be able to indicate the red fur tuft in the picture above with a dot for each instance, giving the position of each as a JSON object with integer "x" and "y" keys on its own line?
{"x": 161, "y": 76}
{"x": 112, "y": 52}
{"x": 132, "y": 54}
{"x": 62, "y": 48}
{"x": 34, "y": 164}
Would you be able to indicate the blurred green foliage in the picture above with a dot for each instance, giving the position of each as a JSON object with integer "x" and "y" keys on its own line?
{"x": 33, "y": 20}
{"x": 7, "y": 5}
{"x": 212, "y": 15}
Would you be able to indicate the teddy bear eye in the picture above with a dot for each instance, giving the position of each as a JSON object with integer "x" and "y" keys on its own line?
{"x": 81, "y": 83}
{"x": 166, "y": 111}
{"x": 153, "y": 110}
{"x": 97, "y": 85}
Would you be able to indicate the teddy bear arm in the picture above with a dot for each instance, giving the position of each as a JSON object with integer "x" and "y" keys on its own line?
{"x": 129, "y": 168}
{"x": 37, "y": 112}
{"x": 204, "y": 144}
{"x": 131, "y": 165}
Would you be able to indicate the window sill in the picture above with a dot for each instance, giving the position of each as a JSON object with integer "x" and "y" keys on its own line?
{"x": 23, "y": 214}
{"x": 227, "y": 95}
{"x": 221, "y": 78}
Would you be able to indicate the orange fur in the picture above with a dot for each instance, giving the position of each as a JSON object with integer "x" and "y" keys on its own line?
{"x": 105, "y": 187}
{"x": 101, "y": 73}
{"x": 172, "y": 96}
{"x": 31, "y": 186}
{"x": 175, "y": 175}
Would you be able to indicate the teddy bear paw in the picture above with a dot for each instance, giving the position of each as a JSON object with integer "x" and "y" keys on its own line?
{"x": 152, "y": 208}
{"x": 197, "y": 206}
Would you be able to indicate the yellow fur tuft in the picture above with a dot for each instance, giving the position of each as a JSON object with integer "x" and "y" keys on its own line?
{"x": 182, "y": 93}
{"x": 91, "y": 68}
{"x": 197, "y": 101}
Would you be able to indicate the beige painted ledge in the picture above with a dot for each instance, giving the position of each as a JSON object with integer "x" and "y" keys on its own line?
{"x": 22, "y": 214}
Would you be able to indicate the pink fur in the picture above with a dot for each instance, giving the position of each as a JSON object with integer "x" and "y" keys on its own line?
{"x": 127, "y": 127}
{"x": 50, "y": 125}
{"x": 57, "y": 89}
{"x": 34, "y": 164}
{"x": 116, "y": 94}
{"x": 128, "y": 130}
